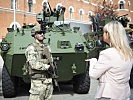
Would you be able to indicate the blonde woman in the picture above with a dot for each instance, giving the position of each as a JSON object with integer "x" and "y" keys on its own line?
{"x": 113, "y": 67}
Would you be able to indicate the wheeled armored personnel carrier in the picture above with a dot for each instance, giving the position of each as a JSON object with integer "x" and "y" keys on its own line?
{"x": 68, "y": 46}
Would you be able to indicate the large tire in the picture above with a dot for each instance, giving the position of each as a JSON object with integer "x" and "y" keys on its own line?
{"x": 131, "y": 79}
{"x": 8, "y": 86}
{"x": 81, "y": 83}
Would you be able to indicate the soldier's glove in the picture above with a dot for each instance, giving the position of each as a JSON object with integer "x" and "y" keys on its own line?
{"x": 50, "y": 70}
{"x": 44, "y": 61}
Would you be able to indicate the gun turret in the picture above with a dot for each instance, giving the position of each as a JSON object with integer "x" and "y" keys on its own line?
{"x": 48, "y": 16}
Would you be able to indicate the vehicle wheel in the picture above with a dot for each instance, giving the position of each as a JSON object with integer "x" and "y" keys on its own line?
{"x": 8, "y": 87}
{"x": 81, "y": 83}
{"x": 131, "y": 79}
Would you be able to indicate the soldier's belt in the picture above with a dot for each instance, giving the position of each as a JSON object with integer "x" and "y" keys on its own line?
{"x": 40, "y": 76}
{"x": 38, "y": 71}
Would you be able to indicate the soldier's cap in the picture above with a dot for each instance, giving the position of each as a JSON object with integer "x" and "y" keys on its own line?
{"x": 35, "y": 30}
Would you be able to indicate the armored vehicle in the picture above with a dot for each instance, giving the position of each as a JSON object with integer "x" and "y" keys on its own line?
{"x": 68, "y": 46}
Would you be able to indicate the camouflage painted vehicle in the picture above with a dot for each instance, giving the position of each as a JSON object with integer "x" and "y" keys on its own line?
{"x": 69, "y": 49}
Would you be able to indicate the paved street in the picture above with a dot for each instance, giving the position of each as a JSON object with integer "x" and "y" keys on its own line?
{"x": 65, "y": 94}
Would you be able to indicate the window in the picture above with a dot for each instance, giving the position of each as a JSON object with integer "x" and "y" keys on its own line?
{"x": 81, "y": 15}
{"x": 16, "y": 24}
{"x": 14, "y": 27}
{"x": 71, "y": 10}
{"x": 30, "y": 4}
{"x": 58, "y": 6}
{"x": 12, "y": 4}
{"x": 129, "y": 3}
{"x": 81, "y": 12}
{"x": 70, "y": 13}
{"x": 121, "y": 5}
{"x": 111, "y": 2}
{"x": 90, "y": 13}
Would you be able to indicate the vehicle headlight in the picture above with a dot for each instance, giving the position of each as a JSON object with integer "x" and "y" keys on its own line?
{"x": 79, "y": 47}
{"x": 5, "y": 46}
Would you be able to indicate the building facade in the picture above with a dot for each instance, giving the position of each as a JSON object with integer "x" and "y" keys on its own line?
{"x": 15, "y": 13}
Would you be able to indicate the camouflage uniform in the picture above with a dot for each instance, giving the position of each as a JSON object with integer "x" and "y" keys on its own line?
{"x": 41, "y": 83}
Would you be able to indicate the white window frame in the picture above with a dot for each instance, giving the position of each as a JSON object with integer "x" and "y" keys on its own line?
{"x": 81, "y": 15}
{"x": 71, "y": 13}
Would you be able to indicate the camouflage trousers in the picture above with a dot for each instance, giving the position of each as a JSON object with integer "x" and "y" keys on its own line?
{"x": 41, "y": 90}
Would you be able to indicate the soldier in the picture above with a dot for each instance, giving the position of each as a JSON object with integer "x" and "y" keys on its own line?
{"x": 39, "y": 58}
{"x": 131, "y": 35}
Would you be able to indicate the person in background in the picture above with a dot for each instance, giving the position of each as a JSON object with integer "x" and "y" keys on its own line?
{"x": 39, "y": 58}
{"x": 113, "y": 67}
{"x": 131, "y": 35}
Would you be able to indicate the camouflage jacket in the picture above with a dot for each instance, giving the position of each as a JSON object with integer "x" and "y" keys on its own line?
{"x": 38, "y": 57}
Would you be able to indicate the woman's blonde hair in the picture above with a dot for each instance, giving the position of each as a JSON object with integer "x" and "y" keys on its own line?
{"x": 118, "y": 38}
